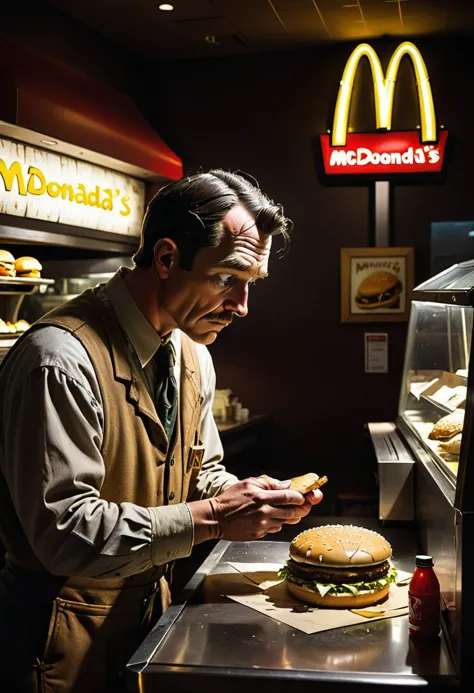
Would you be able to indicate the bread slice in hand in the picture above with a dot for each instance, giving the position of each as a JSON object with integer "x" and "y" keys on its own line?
{"x": 307, "y": 482}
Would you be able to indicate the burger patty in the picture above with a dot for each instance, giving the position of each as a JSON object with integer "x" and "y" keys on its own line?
{"x": 338, "y": 576}
{"x": 379, "y": 298}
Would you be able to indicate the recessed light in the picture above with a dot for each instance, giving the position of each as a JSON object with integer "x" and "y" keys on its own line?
{"x": 50, "y": 143}
{"x": 166, "y": 7}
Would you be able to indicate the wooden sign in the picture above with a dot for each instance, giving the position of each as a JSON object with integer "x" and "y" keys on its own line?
{"x": 39, "y": 184}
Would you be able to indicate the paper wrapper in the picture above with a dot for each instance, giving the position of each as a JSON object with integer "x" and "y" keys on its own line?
{"x": 258, "y": 587}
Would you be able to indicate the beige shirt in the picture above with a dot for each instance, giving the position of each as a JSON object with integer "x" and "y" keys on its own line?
{"x": 49, "y": 390}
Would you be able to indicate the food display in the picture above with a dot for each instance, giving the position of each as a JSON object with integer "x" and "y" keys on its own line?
{"x": 435, "y": 392}
{"x": 448, "y": 426}
{"x": 13, "y": 328}
{"x": 451, "y": 446}
{"x": 307, "y": 482}
{"x": 339, "y": 566}
{"x": 19, "y": 278}
{"x": 28, "y": 267}
{"x": 7, "y": 264}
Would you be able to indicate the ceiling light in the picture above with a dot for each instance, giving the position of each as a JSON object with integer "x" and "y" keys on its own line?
{"x": 50, "y": 143}
{"x": 165, "y": 7}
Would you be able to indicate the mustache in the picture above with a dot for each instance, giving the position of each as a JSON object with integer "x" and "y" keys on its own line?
{"x": 226, "y": 316}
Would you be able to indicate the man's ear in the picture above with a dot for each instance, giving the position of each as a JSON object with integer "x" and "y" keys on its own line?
{"x": 166, "y": 256}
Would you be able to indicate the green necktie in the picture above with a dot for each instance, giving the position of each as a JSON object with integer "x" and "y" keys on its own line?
{"x": 166, "y": 390}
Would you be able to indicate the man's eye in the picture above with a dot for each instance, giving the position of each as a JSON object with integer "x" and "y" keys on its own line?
{"x": 223, "y": 280}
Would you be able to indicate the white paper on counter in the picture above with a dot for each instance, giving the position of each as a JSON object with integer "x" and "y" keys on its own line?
{"x": 269, "y": 596}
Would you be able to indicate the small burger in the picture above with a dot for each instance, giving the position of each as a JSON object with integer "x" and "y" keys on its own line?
{"x": 7, "y": 264}
{"x": 28, "y": 267}
{"x": 448, "y": 427}
{"x": 379, "y": 290}
{"x": 339, "y": 566}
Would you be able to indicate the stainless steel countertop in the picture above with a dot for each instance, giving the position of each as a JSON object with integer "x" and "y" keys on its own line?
{"x": 206, "y": 642}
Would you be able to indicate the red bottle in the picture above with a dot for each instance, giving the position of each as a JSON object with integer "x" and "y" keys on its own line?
{"x": 424, "y": 600}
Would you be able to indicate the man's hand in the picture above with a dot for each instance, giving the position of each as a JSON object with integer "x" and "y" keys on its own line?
{"x": 250, "y": 509}
{"x": 247, "y": 510}
{"x": 310, "y": 499}
{"x": 255, "y": 507}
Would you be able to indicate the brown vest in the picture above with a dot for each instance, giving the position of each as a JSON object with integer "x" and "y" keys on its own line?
{"x": 140, "y": 467}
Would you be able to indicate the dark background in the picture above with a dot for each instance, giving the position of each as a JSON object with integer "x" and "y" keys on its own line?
{"x": 291, "y": 357}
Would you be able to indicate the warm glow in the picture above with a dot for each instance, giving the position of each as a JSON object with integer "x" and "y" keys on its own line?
{"x": 165, "y": 7}
{"x": 384, "y": 88}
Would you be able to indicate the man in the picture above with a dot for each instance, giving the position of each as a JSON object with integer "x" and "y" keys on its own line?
{"x": 110, "y": 458}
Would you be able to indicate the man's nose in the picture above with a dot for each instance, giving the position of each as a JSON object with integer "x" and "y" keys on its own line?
{"x": 237, "y": 300}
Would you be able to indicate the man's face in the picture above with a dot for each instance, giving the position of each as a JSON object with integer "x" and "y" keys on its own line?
{"x": 203, "y": 301}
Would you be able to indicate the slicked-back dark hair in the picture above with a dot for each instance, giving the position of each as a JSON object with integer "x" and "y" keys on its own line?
{"x": 190, "y": 211}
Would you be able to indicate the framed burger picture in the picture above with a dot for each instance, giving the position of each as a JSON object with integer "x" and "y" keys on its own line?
{"x": 376, "y": 284}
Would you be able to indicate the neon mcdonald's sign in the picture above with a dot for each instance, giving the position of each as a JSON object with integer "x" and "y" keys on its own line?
{"x": 385, "y": 152}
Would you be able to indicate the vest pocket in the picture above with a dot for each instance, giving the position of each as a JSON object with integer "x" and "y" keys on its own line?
{"x": 89, "y": 645}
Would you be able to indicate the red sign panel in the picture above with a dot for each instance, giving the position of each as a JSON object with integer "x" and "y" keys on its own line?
{"x": 383, "y": 153}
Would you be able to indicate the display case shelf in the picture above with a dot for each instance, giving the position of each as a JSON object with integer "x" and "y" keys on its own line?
{"x": 22, "y": 285}
{"x": 26, "y": 280}
{"x": 12, "y": 292}
{"x": 442, "y": 409}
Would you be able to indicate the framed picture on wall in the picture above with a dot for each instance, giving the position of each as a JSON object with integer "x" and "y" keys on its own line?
{"x": 376, "y": 284}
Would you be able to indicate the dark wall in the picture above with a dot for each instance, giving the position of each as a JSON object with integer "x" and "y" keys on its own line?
{"x": 291, "y": 357}
{"x": 42, "y": 26}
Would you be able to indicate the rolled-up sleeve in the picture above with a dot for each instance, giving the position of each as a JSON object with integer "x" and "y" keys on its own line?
{"x": 52, "y": 464}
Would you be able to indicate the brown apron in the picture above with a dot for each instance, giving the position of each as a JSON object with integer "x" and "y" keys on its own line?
{"x": 85, "y": 634}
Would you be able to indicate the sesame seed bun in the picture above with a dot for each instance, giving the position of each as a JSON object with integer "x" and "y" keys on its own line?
{"x": 338, "y": 546}
{"x": 448, "y": 426}
{"x": 339, "y": 566}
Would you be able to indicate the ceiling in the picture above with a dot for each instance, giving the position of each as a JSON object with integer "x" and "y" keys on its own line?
{"x": 234, "y": 27}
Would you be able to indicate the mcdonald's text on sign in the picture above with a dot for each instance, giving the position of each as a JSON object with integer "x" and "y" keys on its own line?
{"x": 39, "y": 184}
{"x": 384, "y": 152}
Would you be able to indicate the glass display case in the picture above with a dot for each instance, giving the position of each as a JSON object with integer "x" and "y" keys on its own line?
{"x": 434, "y": 384}
{"x": 427, "y": 454}
{"x": 434, "y": 399}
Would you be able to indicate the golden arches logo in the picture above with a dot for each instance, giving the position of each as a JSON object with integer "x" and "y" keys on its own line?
{"x": 384, "y": 89}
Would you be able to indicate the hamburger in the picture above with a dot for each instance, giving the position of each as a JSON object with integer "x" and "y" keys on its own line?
{"x": 28, "y": 267}
{"x": 448, "y": 427}
{"x": 451, "y": 446}
{"x": 7, "y": 264}
{"x": 339, "y": 566}
{"x": 379, "y": 290}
